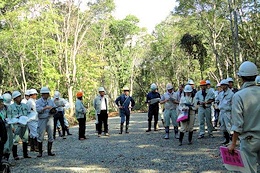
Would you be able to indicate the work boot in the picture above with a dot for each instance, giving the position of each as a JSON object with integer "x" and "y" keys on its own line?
{"x": 190, "y": 138}
{"x": 181, "y": 138}
{"x": 67, "y": 130}
{"x": 226, "y": 141}
{"x": 155, "y": 126}
{"x": 149, "y": 126}
{"x": 40, "y": 149}
{"x": 35, "y": 144}
{"x": 166, "y": 133}
{"x": 126, "y": 129}
{"x": 49, "y": 149}
{"x": 25, "y": 151}
{"x": 14, "y": 150}
{"x": 32, "y": 144}
{"x": 176, "y": 132}
{"x": 121, "y": 128}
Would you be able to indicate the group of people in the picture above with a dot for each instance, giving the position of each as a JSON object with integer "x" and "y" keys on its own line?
{"x": 28, "y": 119}
{"x": 237, "y": 112}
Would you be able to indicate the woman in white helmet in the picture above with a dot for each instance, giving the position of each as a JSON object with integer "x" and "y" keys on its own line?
{"x": 187, "y": 103}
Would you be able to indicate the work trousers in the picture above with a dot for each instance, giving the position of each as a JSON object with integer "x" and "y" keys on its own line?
{"x": 59, "y": 116}
{"x": 251, "y": 149}
{"x": 102, "y": 119}
{"x": 170, "y": 114}
{"x": 153, "y": 112}
{"x": 45, "y": 125}
{"x": 205, "y": 114}
{"x": 187, "y": 126}
{"x": 124, "y": 116}
{"x": 225, "y": 121}
{"x": 82, "y": 127}
{"x": 20, "y": 132}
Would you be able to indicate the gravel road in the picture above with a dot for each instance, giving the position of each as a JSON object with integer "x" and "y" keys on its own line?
{"x": 137, "y": 151}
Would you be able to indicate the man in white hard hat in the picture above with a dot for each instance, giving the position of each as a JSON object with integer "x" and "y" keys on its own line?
{"x": 192, "y": 84}
{"x": 26, "y": 96}
{"x": 33, "y": 124}
{"x": 170, "y": 113}
{"x": 215, "y": 105}
{"x": 16, "y": 110}
{"x": 225, "y": 103}
{"x": 125, "y": 103}
{"x": 245, "y": 116}
{"x": 46, "y": 109}
{"x": 153, "y": 110}
{"x": 9, "y": 142}
{"x": 101, "y": 107}
{"x": 231, "y": 83}
{"x": 59, "y": 115}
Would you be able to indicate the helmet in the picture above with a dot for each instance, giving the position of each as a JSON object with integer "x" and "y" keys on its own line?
{"x": 101, "y": 89}
{"x": 257, "y": 80}
{"x": 203, "y": 82}
{"x": 169, "y": 86}
{"x": 16, "y": 94}
{"x": 224, "y": 82}
{"x": 247, "y": 68}
{"x": 125, "y": 88}
{"x": 153, "y": 86}
{"x": 190, "y": 82}
{"x": 79, "y": 94}
{"x": 208, "y": 82}
{"x": 7, "y": 98}
{"x": 45, "y": 90}
{"x": 229, "y": 79}
{"x": 33, "y": 91}
{"x": 187, "y": 89}
{"x": 56, "y": 94}
{"x": 27, "y": 92}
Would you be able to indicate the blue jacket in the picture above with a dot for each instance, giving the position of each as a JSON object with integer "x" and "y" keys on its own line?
{"x": 125, "y": 101}
{"x": 152, "y": 95}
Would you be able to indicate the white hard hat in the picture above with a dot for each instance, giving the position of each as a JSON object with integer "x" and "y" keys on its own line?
{"x": 153, "y": 86}
{"x": 257, "y": 80}
{"x": 187, "y": 89}
{"x": 16, "y": 94}
{"x": 27, "y": 92}
{"x": 247, "y": 68}
{"x": 33, "y": 91}
{"x": 125, "y": 88}
{"x": 208, "y": 82}
{"x": 56, "y": 94}
{"x": 229, "y": 79}
{"x": 45, "y": 90}
{"x": 101, "y": 89}
{"x": 7, "y": 99}
{"x": 190, "y": 82}
{"x": 224, "y": 82}
{"x": 169, "y": 86}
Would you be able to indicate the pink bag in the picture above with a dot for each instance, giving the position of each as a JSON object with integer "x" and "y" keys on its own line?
{"x": 183, "y": 116}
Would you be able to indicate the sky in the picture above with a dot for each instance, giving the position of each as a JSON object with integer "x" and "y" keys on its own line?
{"x": 149, "y": 12}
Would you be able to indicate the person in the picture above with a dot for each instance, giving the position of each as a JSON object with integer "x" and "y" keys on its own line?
{"x": 215, "y": 105}
{"x": 26, "y": 96}
{"x": 3, "y": 113}
{"x": 45, "y": 108}
{"x": 125, "y": 103}
{"x": 192, "y": 84}
{"x": 33, "y": 124}
{"x": 170, "y": 113}
{"x": 81, "y": 115}
{"x": 188, "y": 104}
{"x": 245, "y": 117}
{"x": 204, "y": 99}
{"x": 16, "y": 110}
{"x": 257, "y": 80}
{"x": 59, "y": 115}
{"x": 231, "y": 83}
{"x": 3, "y": 137}
{"x": 101, "y": 107}
{"x": 225, "y": 103}
{"x": 153, "y": 99}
